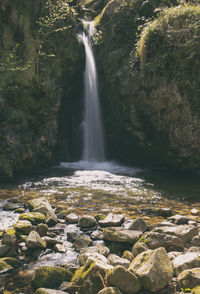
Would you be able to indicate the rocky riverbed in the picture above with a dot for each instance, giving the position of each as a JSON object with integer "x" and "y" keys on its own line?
{"x": 54, "y": 250}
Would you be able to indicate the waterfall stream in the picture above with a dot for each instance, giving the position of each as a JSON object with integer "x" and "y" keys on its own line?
{"x": 93, "y": 149}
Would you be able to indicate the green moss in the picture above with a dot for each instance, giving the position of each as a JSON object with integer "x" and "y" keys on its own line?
{"x": 11, "y": 231}
{"x": 34, "y": 217}
{"x": 4, "y": 266}
{"x": 50, "y": 277}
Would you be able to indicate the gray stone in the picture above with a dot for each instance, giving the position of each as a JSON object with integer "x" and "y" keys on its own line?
{"x": 23, "y": 227}
{"x": 195, "y": 211}
{"x": 60, "y": 248}
{"x": 39, "y": 205}
{"x": 51, "y": 241}
{"x": 186, "y": 261}
{"x": 112, "y": 220}
{"x": 137, "y": 224}
{"x": 184, "y": 232}
{"x": 189, "y": 278}
{"x": 96, "y": 235}
{"x": 123, "y": 279}
{"x": 87, "y": 221}
{"x": 34, "y": 241}
{"x": 82, "y": 242}
{"x": 51, "y": 218}
{"x": 153, "y": 268}
{"x": 91, "y": 256}
{"x": 154, "y": 240}
{"x": 174, "y": 254}
{"x": 196, "y": 240}
{"x": 138, "y": 248}
{"x": 4, "y": 249}
{"x": 42, "y": 229}
{"x": 121, "y": 235}
{"x": 66, "y": 286}
{"x": 101, "y": 249}
{"x": 117, "y": 260}
{"x": 180, "y": 219}
{"x": 128, "y": 255}
{"x": 72, "y": 218}
{"x": 110, "y": 290}
{"x": 9, "y": 239}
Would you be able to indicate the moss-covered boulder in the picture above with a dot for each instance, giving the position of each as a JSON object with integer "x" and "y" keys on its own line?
{"x": 153, "y": 268}
{"x": 35, "y": 241}
{"x": 4, "y": 266}
{"x": 34, "y": 217}
{"x": 123, "y": 279}
{"x": 23, "y": 227}
{"x": 49, "y": 276}
{"x": 89, "y": 277}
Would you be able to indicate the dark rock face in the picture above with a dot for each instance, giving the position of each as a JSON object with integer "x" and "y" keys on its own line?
{"x": 150, "y": 102}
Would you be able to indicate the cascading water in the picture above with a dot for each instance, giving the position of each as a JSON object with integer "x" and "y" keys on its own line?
{"x": 93, "y": 150}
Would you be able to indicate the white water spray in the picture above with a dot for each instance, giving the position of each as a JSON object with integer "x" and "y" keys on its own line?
{"x": 93, "y": 150}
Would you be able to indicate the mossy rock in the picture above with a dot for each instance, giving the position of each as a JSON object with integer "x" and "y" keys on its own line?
{"x": 23, "y": 227}
{"x": 14, "y": 262}
{"x": 48, "y": 291}
{"x": 196, "y": 290}
{"x": 49, "y": 276}
{"x": 34, "y": 217}
{"x": 4, "y": 266}
{"x": 11, "y": 231}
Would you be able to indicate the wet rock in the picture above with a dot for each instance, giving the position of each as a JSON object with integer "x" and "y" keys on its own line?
{"x": 73, "y": 236}
{"x": 39, "y": 205}
{"x": 9, "y": 239}
{"x": 189, "y": 278}
{"x": 184, "y": 232}
{"x": 165, "y": 224}
{"x": 34, "y": 217}
{"x": 154, "y": 240}
{"x": 60, "y": 248}
{"x": 186, "y": 261}
{"x": 193, "y": 249}
{"x": 82, "y": 242}
{"x": 195, "y": 211}
{"x": 49, "y": 291}
{"x": 96, "y": 235}
{"x": 137, "y": 224}
{"x": 112, "y": 220}
{"x": 72, "y": 218}
{"x": 138, "y": 248}
{"x": 117, "y": 260}
{"x": 153, "y": 268}
{"x": 91, "y": 256}
{"x": 50, "y": 276}
{"x": 35, "y": 241}
{"x": 163, "y": 211}
{"x": 87, "y": 221}
{"x": 180, "y": 219}
{"x": 128, "y": 255}
{"x": 4, "y": 249}
{"x": 14, "y": 262}
{"x": 51, "y": 218}
{"x": 89, "y": 277}
{"x": 19, "y": 210}
{"x": 110, "y": 290}
{"x": 23, "y": 227}
{"x": 42, "y": 229}
{"x": 121, "y": 235}
{"x": 123, "y": 279}
{"x": 101, "y": 249}
{"x": 51, "y": 241}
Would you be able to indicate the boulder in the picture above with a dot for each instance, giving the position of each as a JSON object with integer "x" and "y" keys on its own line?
{"x": 72, "y": 218}
{"x": 154, "y": 240}
{"x": 101, "y": 249}
{"x": 138, "y": 248}
{"x": 186, "y": 261}
{"x": 180, "y": 219}
{"x": 112, "y": 220}
{"x": 4, "y": 249}
{"x": 34, "y": 217}
{"x": 34, "y": 241}
{"x": 87, "y": 221}
{"x": 51, "y": 241}
{"x": 117, "y": 260}
{"x": 121, "y": 235}
{"x": 184, "y": 232}
{"x": 123, "y": 279}
{"x": 189, "y": 278}
{"x": 91, "y": 256}
{"x": 4, "y": 266}
{"x": 153, "y": 268}
{"x": 137, "y": 224}
{"x": 51, "y": 218}
{"x": 60, "y": 248}
{"x": 23, "y": 227}
{"x": 90, "y": 277}
{"x": 96, "y": 235}
{"x": 110, "y": 290}
{"x": 50, "y": 276}
{"x": 39, "y": 205}
{"x": 82, "y": 242}
{"x": 196, "y": 240}
{"x": 42, "y": 229}
{"x": 128, "y": 255}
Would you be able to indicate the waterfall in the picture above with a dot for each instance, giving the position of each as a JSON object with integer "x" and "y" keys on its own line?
{"x": 93, "y": 150}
